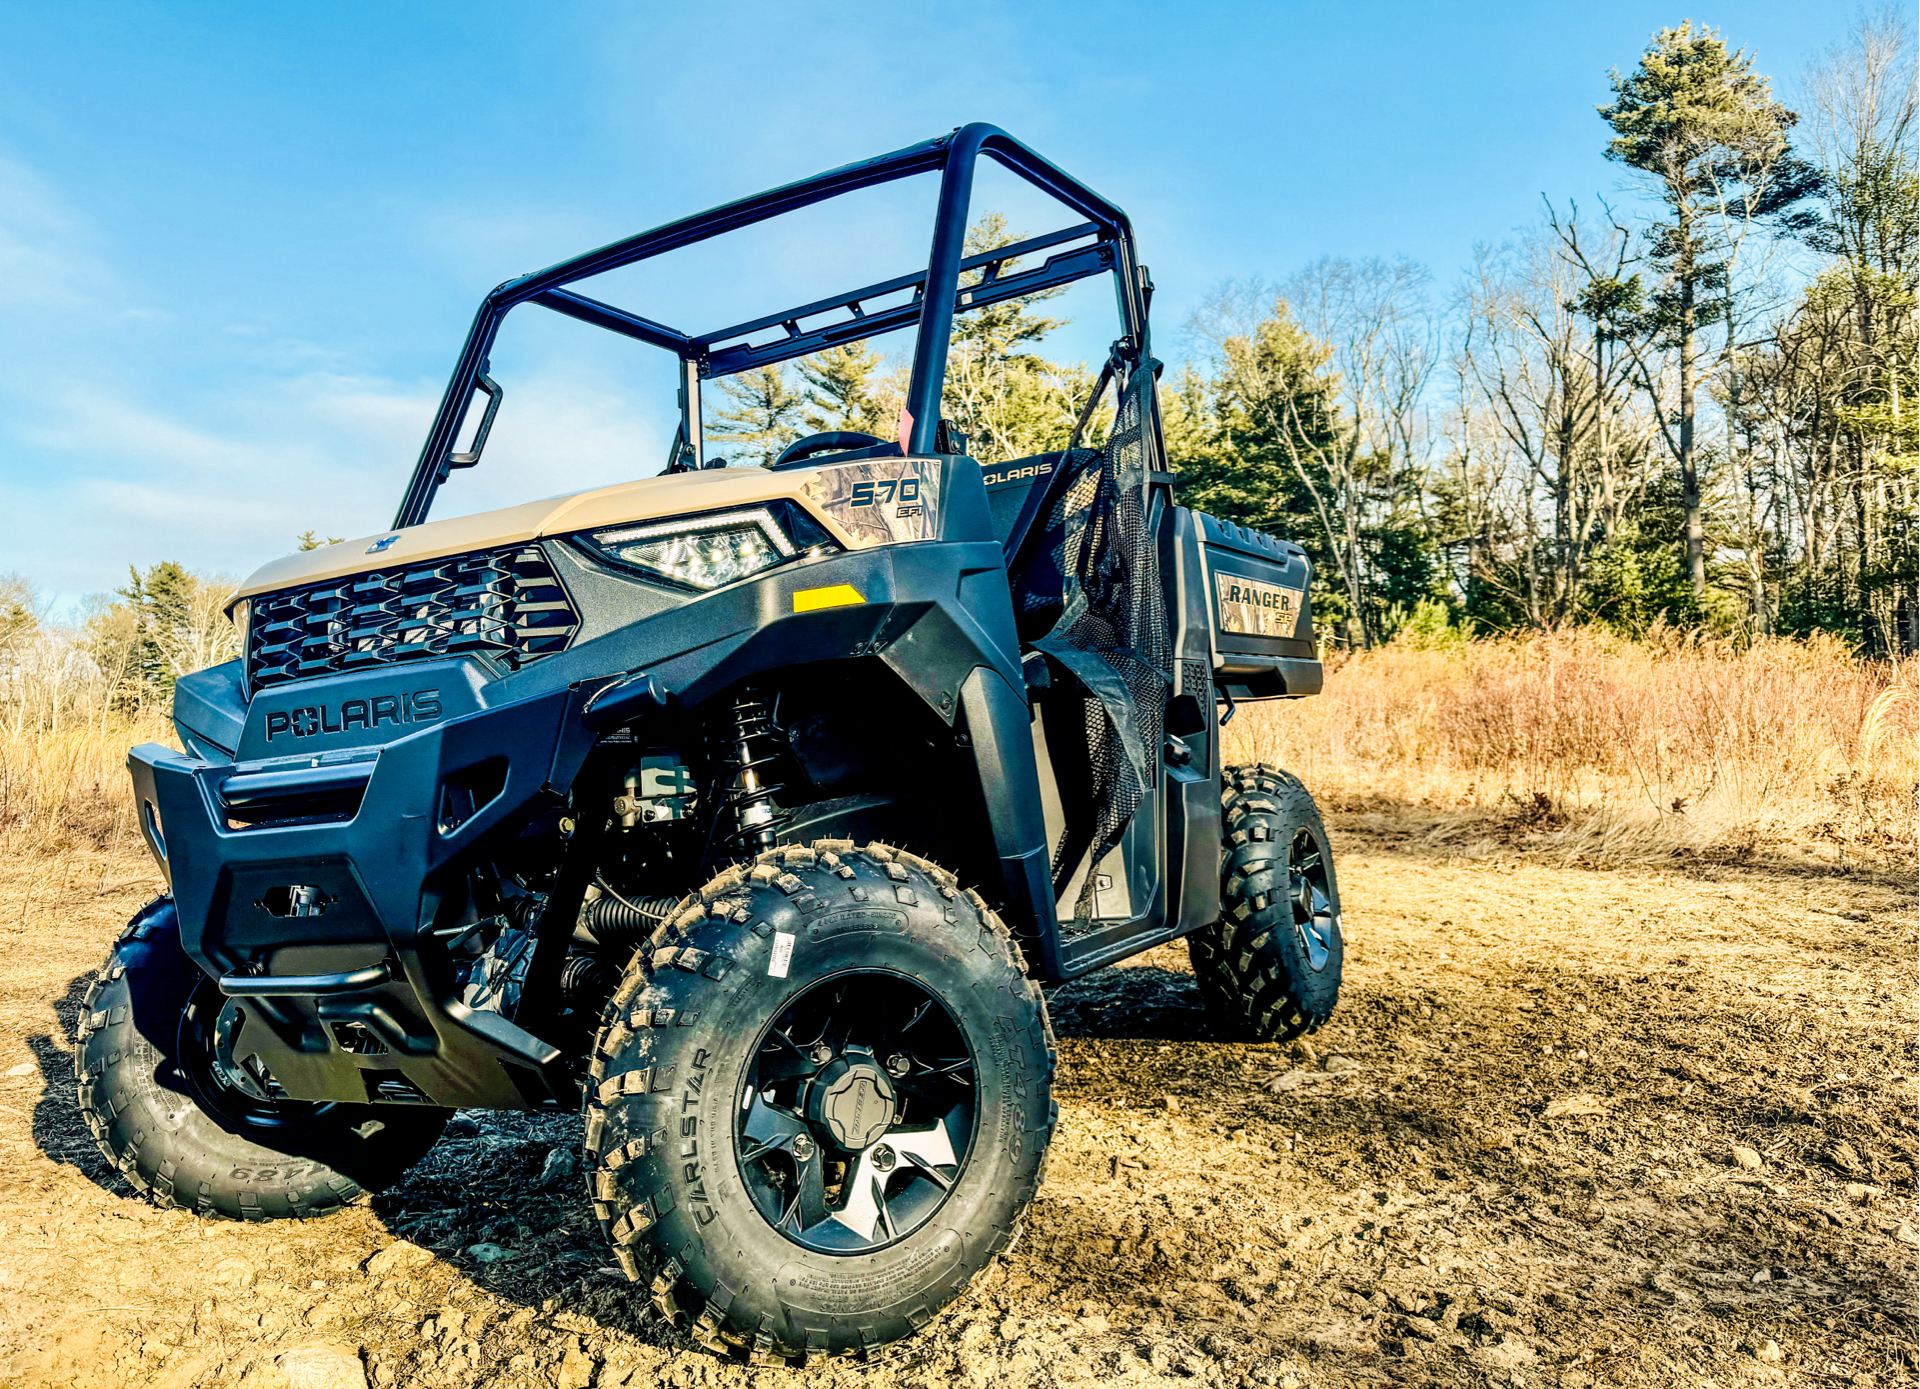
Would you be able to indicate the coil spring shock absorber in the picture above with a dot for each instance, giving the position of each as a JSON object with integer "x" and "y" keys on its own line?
{"x": 754, "y": 742}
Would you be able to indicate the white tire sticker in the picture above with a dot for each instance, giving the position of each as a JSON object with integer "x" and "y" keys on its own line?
{"x": 782, "y": 955}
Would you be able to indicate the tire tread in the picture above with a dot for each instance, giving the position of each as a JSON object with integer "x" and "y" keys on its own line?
{"x": 114, "y": 1067}
{"x": 724, "y": 920}
{"x": 1238, "y": 962}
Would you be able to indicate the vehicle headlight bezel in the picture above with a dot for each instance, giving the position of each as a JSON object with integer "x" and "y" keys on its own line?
{"x": 701, "y": 552}
{"x": 240, "y": 614}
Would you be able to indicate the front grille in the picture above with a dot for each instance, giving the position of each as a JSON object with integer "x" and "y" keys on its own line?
{"x": 505, "y": 604}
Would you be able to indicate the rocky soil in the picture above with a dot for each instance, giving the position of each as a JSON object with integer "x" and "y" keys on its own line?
{"x": 1570, "y": 1128}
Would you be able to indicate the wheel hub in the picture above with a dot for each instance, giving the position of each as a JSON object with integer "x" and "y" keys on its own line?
{"x": 851, "y": 1102}
{"x": 1314, "y": 919}
{"x": 856, "y": 1112}
{"x": 226, "y": 1077}
{"x": 228, "y": 1064}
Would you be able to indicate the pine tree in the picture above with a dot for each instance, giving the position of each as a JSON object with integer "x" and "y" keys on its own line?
{"x": 161, "y": 601}
{"x": 1703, "y": 125}
{"x": 1251, "y": 446}
{"x": 20, "y": 612}
{"x": 842, "y": 393}
{"x": 763, "y": 415}
{"x": 1007, "y": 399}
{"x": 999, "y": 328}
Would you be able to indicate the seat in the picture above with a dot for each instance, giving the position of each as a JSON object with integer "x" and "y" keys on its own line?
{"x": 1036, "y": 529}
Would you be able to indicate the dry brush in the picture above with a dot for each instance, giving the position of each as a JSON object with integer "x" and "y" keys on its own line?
{"x": 1608, "y": 749}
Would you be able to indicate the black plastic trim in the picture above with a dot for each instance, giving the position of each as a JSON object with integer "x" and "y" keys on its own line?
{"x": 304, "y": 985}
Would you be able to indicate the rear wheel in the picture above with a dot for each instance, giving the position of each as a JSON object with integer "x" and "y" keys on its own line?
{"x": 1269, "y": 969}
{"x": 180, "y": 1105}
{"x": 820, "y": 1101}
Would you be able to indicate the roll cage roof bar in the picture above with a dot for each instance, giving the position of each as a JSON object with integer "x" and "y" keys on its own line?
{"x": 937, "y": 293}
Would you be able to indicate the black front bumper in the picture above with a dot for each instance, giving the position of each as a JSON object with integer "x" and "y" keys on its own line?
{"x": 376, "y": 884}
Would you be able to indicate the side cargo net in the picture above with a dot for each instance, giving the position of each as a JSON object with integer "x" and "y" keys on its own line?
{"x": 1111, "y": 632}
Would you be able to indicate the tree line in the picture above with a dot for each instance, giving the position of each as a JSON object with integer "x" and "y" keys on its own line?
{"x": 124, "y": 650}
{"x": 1702, "y": 416}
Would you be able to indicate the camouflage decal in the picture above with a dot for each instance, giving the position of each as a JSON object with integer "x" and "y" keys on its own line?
{"x": 881, "y": 501}
{"x": 1255, "y": 609}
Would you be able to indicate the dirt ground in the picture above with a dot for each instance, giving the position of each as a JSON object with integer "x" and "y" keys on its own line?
{"x": 1516, "y": 1158}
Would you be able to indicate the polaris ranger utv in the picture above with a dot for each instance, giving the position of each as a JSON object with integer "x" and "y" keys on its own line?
{"x": 746, "y": 809}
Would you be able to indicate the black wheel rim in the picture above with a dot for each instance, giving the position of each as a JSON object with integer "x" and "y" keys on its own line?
{"x": 1310, "y": 885}
{"x": 856, "y": 1113}
{"x": 227, "y": 1079}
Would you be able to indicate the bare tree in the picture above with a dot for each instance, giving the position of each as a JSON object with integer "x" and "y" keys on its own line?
{"x": 1344, "y": 408}
{"x": 1862, "y": 133}
{"x": 1541, "y": 354}
{"x": 206, "y": 638}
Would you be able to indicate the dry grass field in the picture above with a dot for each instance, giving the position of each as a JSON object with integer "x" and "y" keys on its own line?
{"x": 1599, "y": 750}
{"x": 65, "y": 789}
{"x": 1619, "y": 1093}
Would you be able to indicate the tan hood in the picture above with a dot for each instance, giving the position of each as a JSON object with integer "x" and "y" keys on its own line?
{"x": 673, "y": 494}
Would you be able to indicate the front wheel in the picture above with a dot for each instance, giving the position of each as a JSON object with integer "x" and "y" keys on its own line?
{"x": 190, "y": 1116}
{"x": 820, "y": 1101}
{"x": 1269, "y": 969}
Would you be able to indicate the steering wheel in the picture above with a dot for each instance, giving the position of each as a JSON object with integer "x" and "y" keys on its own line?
{"x": 833, "y": 441}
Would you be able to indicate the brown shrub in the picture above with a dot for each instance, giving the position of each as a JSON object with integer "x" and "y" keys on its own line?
{"x": 1609, "y": 748}
{"x": 67, "y": 788}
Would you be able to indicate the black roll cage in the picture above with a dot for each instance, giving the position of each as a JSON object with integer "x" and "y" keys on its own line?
{"x": 937, "y": 294}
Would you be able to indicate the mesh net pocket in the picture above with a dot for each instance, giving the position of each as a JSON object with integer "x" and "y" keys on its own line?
{"x": 1111, "y": 632}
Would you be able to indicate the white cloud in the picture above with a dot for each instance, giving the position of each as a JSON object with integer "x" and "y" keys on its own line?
{"x": 49, "y": 254}
{"x": 84, "y": 420}
{"x": 231, "y": 486}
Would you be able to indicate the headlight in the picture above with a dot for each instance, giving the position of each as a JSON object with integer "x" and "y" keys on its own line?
{"x": 705, "y": 552}
{"x": 241, "y": 615}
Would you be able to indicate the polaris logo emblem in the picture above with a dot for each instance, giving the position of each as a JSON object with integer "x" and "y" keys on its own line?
{"x": 379, "y": 545}
{"x": 1032, "y": 470}
{"x": 421, "y": 706}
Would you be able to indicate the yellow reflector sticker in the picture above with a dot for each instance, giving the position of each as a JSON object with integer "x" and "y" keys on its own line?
{"x": 809, "y": 600}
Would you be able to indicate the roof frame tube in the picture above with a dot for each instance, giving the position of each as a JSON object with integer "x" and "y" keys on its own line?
{"x": 953, "y": 155}
{"x": 725, "y": 357}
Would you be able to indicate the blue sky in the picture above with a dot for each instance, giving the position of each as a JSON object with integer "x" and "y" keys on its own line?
{"x": 239, "y": 244}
